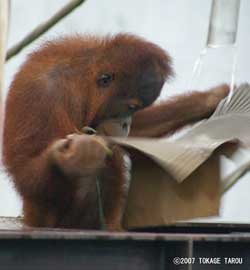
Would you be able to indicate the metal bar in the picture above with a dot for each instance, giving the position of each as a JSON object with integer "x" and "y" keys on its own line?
{"x": 23, "y": 247}
{"x": 44, "y": 27}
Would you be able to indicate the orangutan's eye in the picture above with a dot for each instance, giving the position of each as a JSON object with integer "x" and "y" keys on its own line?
{"x": 105, "y": 79}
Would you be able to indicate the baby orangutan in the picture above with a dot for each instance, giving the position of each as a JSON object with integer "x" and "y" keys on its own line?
{"x": 101, "y": 83}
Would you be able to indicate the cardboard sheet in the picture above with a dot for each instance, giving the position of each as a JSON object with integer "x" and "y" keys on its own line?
{"x": 176, "y": 180}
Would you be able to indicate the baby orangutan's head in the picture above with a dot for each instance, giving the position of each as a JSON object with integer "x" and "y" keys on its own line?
{"x": 112, "y": 77}
{"x": 130, "y": 73}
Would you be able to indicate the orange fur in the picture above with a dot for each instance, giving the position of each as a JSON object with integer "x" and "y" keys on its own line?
{"x": 55, "y": 94}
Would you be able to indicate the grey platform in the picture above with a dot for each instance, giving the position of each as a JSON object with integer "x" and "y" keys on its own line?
{"x": 25, "y": 248}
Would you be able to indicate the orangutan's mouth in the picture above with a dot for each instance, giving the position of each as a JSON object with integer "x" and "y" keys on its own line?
{"x": 119, "y": 127}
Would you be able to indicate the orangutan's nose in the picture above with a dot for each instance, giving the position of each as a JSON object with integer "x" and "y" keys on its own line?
{"x": 134, "y": 105}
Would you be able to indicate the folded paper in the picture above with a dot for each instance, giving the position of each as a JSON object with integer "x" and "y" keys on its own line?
{"x": 180, "y": 179}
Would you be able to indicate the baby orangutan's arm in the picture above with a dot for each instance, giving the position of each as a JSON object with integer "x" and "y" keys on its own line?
{"x": 167, "y": 117}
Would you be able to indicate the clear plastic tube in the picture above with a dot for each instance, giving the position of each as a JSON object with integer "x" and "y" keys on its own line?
{"x": 218, "y": 60}
{"x": 223, "y": 23}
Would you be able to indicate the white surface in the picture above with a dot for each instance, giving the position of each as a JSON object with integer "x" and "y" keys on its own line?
{"x": 179, "y": 26}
